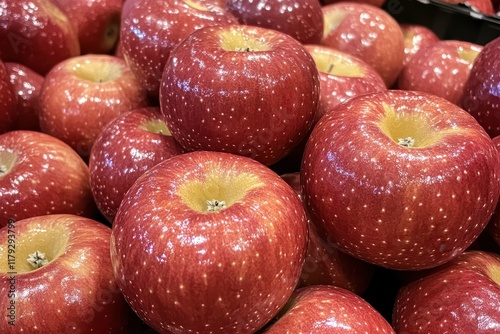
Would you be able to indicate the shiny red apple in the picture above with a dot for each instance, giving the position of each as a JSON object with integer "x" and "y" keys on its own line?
{"x": 215, "y": 241}
{"x": 127, "y": 147}
{"x": 9, "y": 108}
{"x": 402, "y": 179}
{"x": 41, "y": 175}
{"x": 417, "y": 37}
{"x": 81, "y": 95}
{"x": 56, "y": 277}
{"x": 240, "y": 89}
{"x": 441, "y": 69}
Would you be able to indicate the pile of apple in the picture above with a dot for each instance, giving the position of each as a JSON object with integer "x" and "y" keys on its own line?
{"x": 238, "y": 166}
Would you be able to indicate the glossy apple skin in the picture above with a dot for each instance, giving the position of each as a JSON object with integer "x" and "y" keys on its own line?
{"x": 461, "y": 297}
{"x": 97, "y": 23}
{"x": 439, "y": 70}
{"x": 329, "y": 309}
{"x": 395, "y": 206}
{"x": 247, "y": 103}
{"x": 36, "y": 33}
{"x": 494, "y": 224}
{"x": 336, "y": 89}
{"x": 234, "y": 268}
{"x": 303, "y": 20}
{"x": 76, "y": 110}
{"x": 8, "y": 101}
{"x": 417, "y": 38}
{"x": 481, "y": 96}
{"x": 167, "y": 21}
{"x": 35, "y": 186}
{"x": 122, "y": 152}
{"x": 369, "y": 33}
{"x": 27, "y": 84}
{"x": 76, "y": 291}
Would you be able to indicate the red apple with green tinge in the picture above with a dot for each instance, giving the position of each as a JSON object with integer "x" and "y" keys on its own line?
{"x": 215, "y": 242}
{"x": 405, "y": 180}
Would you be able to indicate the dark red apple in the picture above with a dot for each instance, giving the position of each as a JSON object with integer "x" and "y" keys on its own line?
{"x": 41, "y": 175}
{"x": 240, "y": 89}
{"x": 27, "y": 84}
{"x": 441, "y": 69}
{"x": 342, "y": 76}
{"x": 81, "y": 95}
{"x": 325, "y": 264}
{"x": 462, "y": 297}
{"x": 8, "y": 101}
{"x": 36, "y": 33}
{"x": 127, "y": 147}
{"x": 405, "y": 180}
{"x": 97, "y": 23}
{"x": 494, "y": 224}
{"x": 56, "y": 277}
{"x": 367, "y": 32}
{"x": 481, "y": 95}
{"x": 417, "y": 37}
{"x": 329, "y": 309}
{"x": 303, "y": 20}
{"x": 208, "y": 242}
{"x": 151, "y": 28}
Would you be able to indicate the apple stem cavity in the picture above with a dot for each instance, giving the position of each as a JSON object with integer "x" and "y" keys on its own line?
{"x": 37, "y": 259}
{"x": 215, "y": 205}
{"x": 406, "y": 142}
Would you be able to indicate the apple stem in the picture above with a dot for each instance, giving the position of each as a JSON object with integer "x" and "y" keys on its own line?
{"x": 215, "y": 205}
{"x": 3, "y": 169}
{"x": 406, "y": 142}
{"x": 330, "y": 68}
{"x": 37, "y": 259}
{"x": 247, "y": 49}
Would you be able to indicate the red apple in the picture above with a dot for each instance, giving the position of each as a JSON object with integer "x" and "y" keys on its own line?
{"x": 97, "y": 23}
{"x": 240, "y": 89}
{"x": 127, "y": 147}
{"x": 481, "y": 6}
{"x": 376, "y": 3}
{"x": 461, "y": 297}
{"x": 56, "y": 277}
{"x": 481, "y": 95}
{"x": 494, "y": 224}
{"x": 27, "y": 84}
{"x": 441, "y": 69}
{"x": 303, "y": 20}
{"x": 151, "y": 28}
{"x": 367, "y": 32}
{"x": 41, "y": 175}
{"x": 329, "y": 309}
{"x": 36, "y": 33}
{"x": 342, "y": 76}
{"x": 401, "y": 179}
{"x": 81, "y": 95}
{"x": 325, "y": 264}
{"x": 416, "y": 37}
{"x": 215, "y": 242}
{"x": 8, "y": 101}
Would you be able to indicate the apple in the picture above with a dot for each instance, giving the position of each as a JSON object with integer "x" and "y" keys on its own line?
{"x": 402, "y": 179}
{"x": 240, "y": 89}
{"x": 441, "y": 69}
{"x": 302, "y": 20}
{"x": 376, "y": 3}
{"x": 36, "y": 33}
{"x": 481, "y": 6}
{"x": 8, "y": 101}
{"x": 27, "y": 84}
{"x": 367, "y": 32}
{"x": 151, "y": 28}
{"x": 494, "y": 224}
{"x": 97, "y": 23}
{"x": 416, "y": 37}
{"x": 342, "y": 77}
{"x": 81, "y": 95}
{"x": 462, "y": 297}
{"x": 325, "y": 264}
{"x": 208, "y": 241}
{"x": 56, "y": 277}
{"x": 41, "y": 175}
{"x": 131, "y": 144}
{"x": 481, "y": 95}
{"x": 329, "y": 309}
